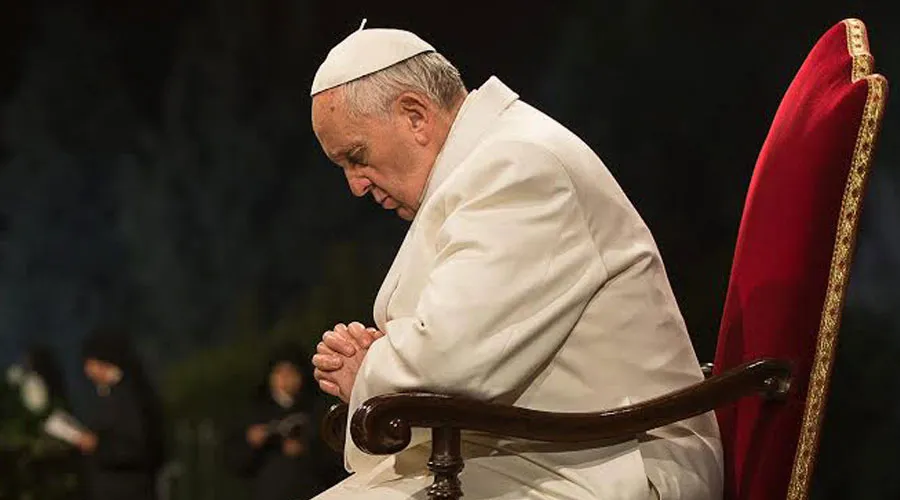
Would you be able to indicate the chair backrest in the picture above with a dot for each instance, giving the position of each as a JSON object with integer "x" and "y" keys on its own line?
{"x": 792, "y": 260}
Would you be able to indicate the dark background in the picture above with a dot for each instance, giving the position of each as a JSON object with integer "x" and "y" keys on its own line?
{"x": 158, "y": 168}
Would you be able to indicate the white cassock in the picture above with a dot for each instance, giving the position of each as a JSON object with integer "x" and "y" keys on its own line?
{"x": 528, "y": 278}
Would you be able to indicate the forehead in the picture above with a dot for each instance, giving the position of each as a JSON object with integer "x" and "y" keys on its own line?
{"x": 283, "y": 366}
{"x": 326, "y": 106}
{"x": 333, "y": 126}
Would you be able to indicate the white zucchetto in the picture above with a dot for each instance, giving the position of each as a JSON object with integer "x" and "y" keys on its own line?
{"x": 364, "y": 52}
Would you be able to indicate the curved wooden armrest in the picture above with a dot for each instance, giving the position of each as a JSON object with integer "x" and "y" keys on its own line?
{"x": 334, "y": 427}
{"x": 382, "y": 425}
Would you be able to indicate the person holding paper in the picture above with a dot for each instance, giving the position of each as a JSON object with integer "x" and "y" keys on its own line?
{"x": 123, "y": 443}
{"x": 45, "y": 373}
{"x": 277, "y": 446}
{"x": 55, "y": 467}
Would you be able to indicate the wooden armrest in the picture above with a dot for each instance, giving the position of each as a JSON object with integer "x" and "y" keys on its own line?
{"x": 334, "y": 427}
{"x": 382, "y": 425}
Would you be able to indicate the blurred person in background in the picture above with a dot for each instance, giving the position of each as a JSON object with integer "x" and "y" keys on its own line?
{"x": 43, "y": 383}
{"x": 277, "y": 445}
{"x": 52, "y": 468}
{"x": 61, "y": 463}
{"x": 124, "y": 444}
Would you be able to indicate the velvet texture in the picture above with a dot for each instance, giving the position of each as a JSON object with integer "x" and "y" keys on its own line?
{"x": 782, "y": 260}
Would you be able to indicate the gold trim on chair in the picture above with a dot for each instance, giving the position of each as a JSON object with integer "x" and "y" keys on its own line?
{"x": 839, "y": 275}
{"x": 858, "y": 47}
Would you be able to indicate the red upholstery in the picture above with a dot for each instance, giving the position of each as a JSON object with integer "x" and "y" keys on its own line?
{"x": 782, "y": 259}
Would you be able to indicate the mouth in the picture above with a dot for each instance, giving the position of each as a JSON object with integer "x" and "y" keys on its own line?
{"x": 387, "y": 202}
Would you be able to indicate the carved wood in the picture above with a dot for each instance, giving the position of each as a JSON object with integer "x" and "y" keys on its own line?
{"x": 382, "y": 425}
{"x": 446, "y": 463}
{"x": 334, "y": 427}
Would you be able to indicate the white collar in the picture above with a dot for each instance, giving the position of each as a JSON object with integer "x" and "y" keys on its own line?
{"x": 478, "y": 112}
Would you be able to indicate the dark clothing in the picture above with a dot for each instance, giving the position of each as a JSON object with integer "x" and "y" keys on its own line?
{"x": 129, "y": 453}
{"x": 275, "y": 475}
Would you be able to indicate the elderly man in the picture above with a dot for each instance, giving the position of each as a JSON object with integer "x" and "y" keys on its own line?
{"x": 526, "y": 277}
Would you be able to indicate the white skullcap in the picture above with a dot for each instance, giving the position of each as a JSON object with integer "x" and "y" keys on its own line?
{"x": 364, "y": 52}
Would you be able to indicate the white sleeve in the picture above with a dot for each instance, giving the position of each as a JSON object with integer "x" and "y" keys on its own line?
{"x": 515, "y": 267}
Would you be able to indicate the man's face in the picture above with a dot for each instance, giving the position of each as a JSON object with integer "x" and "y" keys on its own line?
{"x": 387, "y": 156}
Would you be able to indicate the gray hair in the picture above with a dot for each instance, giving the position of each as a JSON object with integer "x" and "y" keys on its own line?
{"x": 429, "y": 74}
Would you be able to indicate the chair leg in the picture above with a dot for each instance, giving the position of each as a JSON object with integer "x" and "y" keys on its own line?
{"x": 446, "y": 463}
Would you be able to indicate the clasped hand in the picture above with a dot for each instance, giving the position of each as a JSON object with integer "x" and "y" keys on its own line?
{"x": 339, "y": 356}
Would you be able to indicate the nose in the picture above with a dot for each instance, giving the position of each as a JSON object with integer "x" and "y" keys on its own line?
{"x": 359, "y": 185}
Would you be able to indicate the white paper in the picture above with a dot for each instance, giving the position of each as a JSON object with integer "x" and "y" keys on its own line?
{"x": 64, "y": 427}
{"x": 289, "y": 422}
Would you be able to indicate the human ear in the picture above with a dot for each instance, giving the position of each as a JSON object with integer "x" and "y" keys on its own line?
{"x": 415, "y": 111}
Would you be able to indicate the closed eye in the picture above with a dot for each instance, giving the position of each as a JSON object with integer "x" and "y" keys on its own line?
{"x": 357, "y": 156}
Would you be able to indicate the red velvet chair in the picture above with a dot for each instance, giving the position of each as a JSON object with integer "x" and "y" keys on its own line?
{"x": 792, "y": 260}
{"x": 782, "y": 310}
